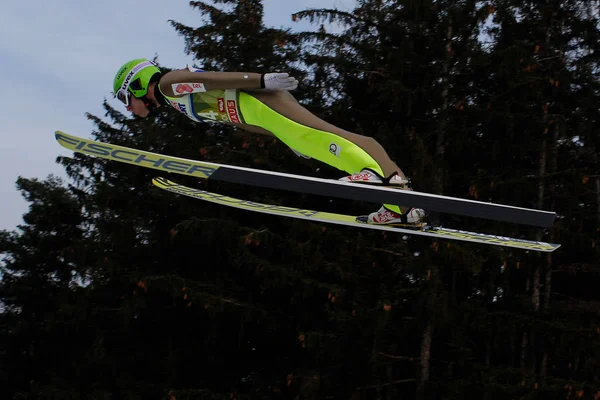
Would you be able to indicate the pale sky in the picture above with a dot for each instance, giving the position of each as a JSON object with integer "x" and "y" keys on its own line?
{"x": 57, "y": 62}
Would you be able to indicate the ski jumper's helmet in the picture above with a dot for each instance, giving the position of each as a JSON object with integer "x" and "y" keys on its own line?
{"x": 133, "y": 78}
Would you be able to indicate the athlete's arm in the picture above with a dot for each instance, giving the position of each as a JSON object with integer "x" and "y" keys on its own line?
{"x": 224, "y": 80}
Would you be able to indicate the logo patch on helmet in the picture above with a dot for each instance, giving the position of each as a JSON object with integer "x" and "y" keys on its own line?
{"x": 134, "y": 71}
{"x": 121, "y": 72}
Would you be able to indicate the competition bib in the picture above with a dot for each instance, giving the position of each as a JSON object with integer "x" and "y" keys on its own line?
{"x": 213, "y": 105}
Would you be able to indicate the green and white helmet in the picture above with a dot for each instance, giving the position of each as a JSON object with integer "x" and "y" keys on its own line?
{"x": 133, "y": 78}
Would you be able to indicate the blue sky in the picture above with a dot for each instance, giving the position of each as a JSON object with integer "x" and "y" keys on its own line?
{"x": 58, "y": 60}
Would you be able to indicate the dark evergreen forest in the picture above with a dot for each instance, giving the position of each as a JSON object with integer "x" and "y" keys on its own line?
{"x": 112, "y": 289}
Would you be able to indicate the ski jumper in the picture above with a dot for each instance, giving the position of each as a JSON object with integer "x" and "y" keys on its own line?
{"x": 238, "y": 107}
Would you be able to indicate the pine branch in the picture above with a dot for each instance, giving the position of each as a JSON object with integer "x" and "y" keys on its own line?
{"x": 329, "y": 15}
{"x": 386, "y": 251}
{"x": 387, "y": 384}
{"x": 398, "y": 357}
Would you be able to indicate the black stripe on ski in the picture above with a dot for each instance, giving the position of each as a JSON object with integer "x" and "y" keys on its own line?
{"x": 357, "y": 192}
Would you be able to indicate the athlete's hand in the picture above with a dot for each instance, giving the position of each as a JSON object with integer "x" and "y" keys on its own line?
{"x": 278, "y": 80}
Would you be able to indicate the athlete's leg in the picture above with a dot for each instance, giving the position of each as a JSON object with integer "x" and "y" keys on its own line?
{"x": 311, "y": 136}
{"x": 285, "y": 104}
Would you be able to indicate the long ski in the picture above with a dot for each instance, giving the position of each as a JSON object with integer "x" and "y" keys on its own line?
{"x": 305, "y": 184}
{"x": 349, "y": 220}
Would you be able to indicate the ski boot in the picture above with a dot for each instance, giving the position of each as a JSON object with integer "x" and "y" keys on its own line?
{"x": 373, "y": 178}
{"x": 414, "y": 217}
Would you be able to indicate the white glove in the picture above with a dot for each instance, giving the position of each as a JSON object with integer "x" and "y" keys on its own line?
{"x": 279, "y": 80}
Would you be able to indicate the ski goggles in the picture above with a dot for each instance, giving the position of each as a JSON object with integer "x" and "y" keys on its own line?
{"x": 123, "y": 94}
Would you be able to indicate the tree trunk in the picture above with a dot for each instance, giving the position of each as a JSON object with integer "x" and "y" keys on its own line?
{"x": 425, "y": 357}
{"x": 524, "y": 343}
{"x": 544, "y": 366}
{"x": 488, "y": 359}
{"x": 533, "y": 356}
{"x": 553, "y": 169}
{"x": 391, "y": 392}
{"x": 445, "y": 92}
{"x": 548, "y": 282}
{"x": 441, "y": 137}
{"x": 513, "y": 350}
{"x": 598, "y": 198}
{"x": 535, "y": 292}
{"x": 548, "y": 264}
